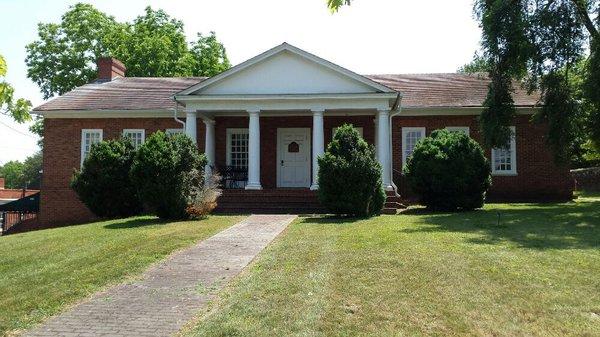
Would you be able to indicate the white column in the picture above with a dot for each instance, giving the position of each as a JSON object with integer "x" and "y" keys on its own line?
{"x": 254, "y": 151}
{"x": 318, "y": 146}
{"x": 190, "y": 125}
{"x": 209, "y": 147}
{"x": 375, "y": 121}
{"x": 383, "y": 147}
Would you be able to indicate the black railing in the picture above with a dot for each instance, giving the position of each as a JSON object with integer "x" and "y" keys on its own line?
{"x": 233, "y": 177}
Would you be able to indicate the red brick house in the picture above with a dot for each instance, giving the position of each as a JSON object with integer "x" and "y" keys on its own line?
{"x": 271, "y": 116}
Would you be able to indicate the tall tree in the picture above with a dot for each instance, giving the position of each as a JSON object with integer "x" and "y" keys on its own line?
{"x": 32, "y": 166}
{"x": 154, "y": 45}
{"x": 209, "y": 56}
{"x": 478, "y": 65}
{"x": 64, "y": 55}
{"x": 538, "y": 42}
{"x": 541, "y": 42}
{"x": 23, "y": 174}
{"x": 17, "y": 108}
{"x": 12, "y": 172}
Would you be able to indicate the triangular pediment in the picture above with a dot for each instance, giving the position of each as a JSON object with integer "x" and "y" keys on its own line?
{"x": 286, "y": 70}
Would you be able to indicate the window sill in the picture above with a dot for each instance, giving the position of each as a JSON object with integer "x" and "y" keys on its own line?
{"x": 504, "y": 174}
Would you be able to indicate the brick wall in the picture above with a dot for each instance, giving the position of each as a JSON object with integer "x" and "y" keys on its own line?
{"x": 59, "y": 204}
{"x": 268, "y": 137}
{"x": 538, "y": 177}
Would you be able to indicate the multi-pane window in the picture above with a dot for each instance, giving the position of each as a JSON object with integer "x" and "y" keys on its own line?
{"x": 504, "y": 160}
{"x": 464, "y": 129}
{"x": 135, "y": 135}
{"x": 89, "y": 137}
{"x": 410, "y": 138}
{"x": 237, "y": 148}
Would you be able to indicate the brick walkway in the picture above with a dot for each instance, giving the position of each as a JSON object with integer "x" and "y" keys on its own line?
{"x": 170, "y": 293}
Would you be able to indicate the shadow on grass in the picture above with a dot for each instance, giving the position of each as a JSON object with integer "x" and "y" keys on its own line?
{"x": 135, "y": 222}
{"x": 536, "y": 226}
{"x": 329, "y": 219}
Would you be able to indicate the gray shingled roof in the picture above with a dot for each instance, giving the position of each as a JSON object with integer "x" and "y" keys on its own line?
{"x": 446, "y": 90}
{"x": 123, "y": 93}
{"x": 154, "y": 93}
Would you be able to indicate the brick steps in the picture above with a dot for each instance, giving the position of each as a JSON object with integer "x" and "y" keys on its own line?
{"x": 279, "y": 201}
{"x": 393, "y": 203}
{"x": 285, "y": 201}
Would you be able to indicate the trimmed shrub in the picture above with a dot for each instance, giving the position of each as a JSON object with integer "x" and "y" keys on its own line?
{"x": 103, "y": 183}
{"x": 165, "y": 169}
{"x": 349, "y": 176}
{"x": 449, "y": 171}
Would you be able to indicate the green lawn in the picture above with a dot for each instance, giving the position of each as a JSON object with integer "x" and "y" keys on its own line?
{"x": 536, "y": 273}
{"x": 43, "y": 272}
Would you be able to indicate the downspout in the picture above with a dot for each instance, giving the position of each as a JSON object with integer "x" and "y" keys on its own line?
{"x": 398, "y": 108}
{"x": 175, "y": 114}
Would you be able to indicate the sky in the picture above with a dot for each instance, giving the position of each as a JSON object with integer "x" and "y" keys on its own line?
{"x": 369, "y": 37}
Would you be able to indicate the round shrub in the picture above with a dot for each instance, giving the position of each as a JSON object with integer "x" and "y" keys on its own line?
{"x": 103, "y": 183}
{"x": 449, "y": 171}
{"x": 165, "y": 169}
{"x": 349, "y": 176}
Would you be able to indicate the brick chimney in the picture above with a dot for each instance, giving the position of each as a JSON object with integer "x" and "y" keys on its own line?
{"x": 1, "y": 183}
{"x": 109, "y": 68}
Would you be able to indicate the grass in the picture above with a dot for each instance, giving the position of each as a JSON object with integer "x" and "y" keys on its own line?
{"x": 45, "y": 271}
{"x": 506, "y": 270}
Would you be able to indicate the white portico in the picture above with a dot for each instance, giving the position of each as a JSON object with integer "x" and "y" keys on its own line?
{"x": 275, "y": 111}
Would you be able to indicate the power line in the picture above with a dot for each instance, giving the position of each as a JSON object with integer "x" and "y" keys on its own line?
{"x": 18, "y": 147}
{"x": 17, "y": 131}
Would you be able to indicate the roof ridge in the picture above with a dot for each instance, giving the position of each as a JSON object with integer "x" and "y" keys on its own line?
{"x": 417, "y": 74}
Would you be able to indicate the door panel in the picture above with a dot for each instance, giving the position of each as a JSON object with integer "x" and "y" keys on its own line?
{"x": 293, "y": 152}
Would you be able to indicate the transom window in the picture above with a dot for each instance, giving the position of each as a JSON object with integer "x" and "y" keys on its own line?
{"x": 89, "y": 137}
{"x": 464, "y": 129}
{"x": 237, "y": 148}
{"x": 504, "y": 161}
{"x": 136, "y": 136}
{"x": 410, "y": 138}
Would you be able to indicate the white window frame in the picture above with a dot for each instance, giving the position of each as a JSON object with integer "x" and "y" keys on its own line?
{"x": 357, "y": 128}
{"x": 229, "y": 132}
{"x": 464, "y": 129}
{"x": 405, "y": 131}
{"x": 513, "y": 157}
{"x": 142, "y": 131}
{"x": 83, "y": 133}
{"x": 174, "y": 131}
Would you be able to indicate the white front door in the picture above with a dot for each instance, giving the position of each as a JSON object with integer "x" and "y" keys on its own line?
{"x": 293, "y": 157}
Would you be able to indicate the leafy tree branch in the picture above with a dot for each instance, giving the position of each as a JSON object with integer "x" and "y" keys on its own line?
{"x": 154, "y": 44}
{"x": 17, "y": 108}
